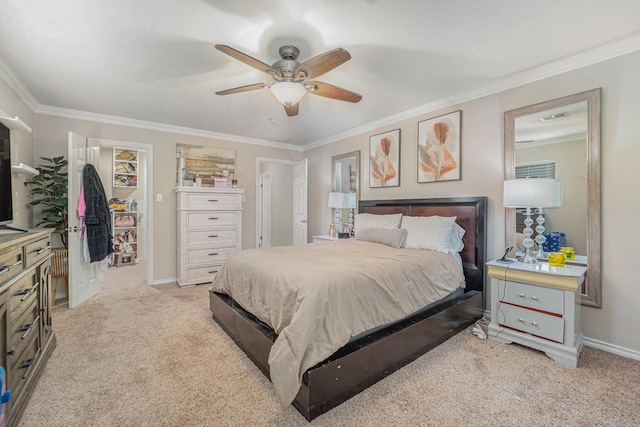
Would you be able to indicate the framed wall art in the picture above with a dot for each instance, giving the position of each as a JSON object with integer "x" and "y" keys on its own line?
{"x": 439, "y": 148}
{"x": 384, "y": 159}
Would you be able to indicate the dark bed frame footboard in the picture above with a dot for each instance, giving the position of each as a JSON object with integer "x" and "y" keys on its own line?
{"x": 362, "y": 363}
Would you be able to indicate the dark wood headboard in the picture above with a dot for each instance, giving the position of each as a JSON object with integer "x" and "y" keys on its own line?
{"x": 470, "y": 213}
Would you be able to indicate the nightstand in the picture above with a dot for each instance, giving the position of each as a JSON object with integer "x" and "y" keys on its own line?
{"x": 537, "y": 306}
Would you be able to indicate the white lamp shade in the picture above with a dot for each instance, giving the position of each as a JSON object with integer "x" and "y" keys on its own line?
{"x": 529, "y": 192}
{"x": 350, "y": 200}
{"x": 336, "y": 200}
{"x": 288, "y": 93}
{"x": 557, "y": 194}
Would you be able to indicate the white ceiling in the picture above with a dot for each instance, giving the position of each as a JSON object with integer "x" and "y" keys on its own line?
{"x": 154, "y": 61}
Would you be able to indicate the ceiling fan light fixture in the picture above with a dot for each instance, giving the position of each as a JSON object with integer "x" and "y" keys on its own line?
{"x": 288, "y": 93}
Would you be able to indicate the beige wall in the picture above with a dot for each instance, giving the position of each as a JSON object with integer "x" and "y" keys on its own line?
{"x": 482, "y": 174}
{"x": 51, "y": 139}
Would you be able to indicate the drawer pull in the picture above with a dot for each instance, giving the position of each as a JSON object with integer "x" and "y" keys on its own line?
{"x": 213, "y": 254}
{"x": 521, "y": 295}
{"x": 28, "y": 364}
{"x": 11, "y": 352}
{"x": 27, "y": 328}
{"x": 6, "y": 268}
{"x": 535, "y": 298}
{"x": 42, "y": 250}
{"x": 213, "y": 271}
{"x": 215, "y": 217}
{"x": 212, "y": 200}
{"x": 213, "y": 235}
{"x": 26, "y": 292}
{"x": 521, "y": 320}
{"x": 534, "y": 323}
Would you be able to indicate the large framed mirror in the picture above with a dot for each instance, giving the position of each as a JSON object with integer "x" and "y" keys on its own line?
{"x": 560, "y": 139}
{"x": 345, "y": 175}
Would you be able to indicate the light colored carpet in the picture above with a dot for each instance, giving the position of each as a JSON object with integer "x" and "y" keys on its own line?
{"x": 139, "y": 355}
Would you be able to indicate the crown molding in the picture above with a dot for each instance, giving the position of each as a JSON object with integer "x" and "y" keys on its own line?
{"x": 592, "y": 56}
{"x": 160, "y": 127}
{"x": 15, "y": 83}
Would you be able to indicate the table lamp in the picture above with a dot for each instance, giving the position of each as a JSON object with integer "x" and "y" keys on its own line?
{"x": 528, "y": 193}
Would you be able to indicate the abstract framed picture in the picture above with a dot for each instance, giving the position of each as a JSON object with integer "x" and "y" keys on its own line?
{"x": 439, "y": 148}
{"x": 384, "y": 159}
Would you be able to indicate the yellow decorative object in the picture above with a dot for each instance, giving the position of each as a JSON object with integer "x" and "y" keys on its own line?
{"x": 556, "y": 259}
{"x": 568, "y": 252}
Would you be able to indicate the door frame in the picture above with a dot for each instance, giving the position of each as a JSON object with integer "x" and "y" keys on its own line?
{"x": 261, "y": 209}
{"x": 259, "y": 161}
{"x": 148, "y": 178}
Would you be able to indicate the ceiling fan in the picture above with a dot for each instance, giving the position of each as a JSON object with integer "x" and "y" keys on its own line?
{"x": 290, "y": 76}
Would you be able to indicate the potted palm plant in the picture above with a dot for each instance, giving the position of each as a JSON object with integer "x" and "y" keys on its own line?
{"x": 49, "y": 190}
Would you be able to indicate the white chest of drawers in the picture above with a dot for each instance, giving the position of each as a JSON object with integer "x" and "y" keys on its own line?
{"x": 209, "y": 229}
{"x": 537, "y": 306}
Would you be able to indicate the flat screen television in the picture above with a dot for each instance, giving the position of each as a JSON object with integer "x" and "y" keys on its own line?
{"x": 6, "y": 201}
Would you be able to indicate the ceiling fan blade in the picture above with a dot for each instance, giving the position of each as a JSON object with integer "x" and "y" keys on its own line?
{"x": 323, "y": 63}
{"x": 330, "y": 91}
{"x": 243, "y": 57}
{"x": 292, "y": 110}
{"x": 240, "y": 89}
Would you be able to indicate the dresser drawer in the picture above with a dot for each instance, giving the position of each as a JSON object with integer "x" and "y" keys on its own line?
{"x": 212, "y": 201}
{"x": 11, "y": 263}
{"x": 22, "y": 294}
{"x": 37, "y": 250}
{"x": 531, "y": 296}
{"x": 227, "y": 236}
{"x": 23, "y": 366}
{"x": 532, "y": 322}
{"x": 210, "y": 255}
{"x": 22, "y": 330}
{"x": 202, "y": 274}
{"x": 200, "y": 219}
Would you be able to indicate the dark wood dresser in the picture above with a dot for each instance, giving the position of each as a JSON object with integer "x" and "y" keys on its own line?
{"x": 26, "y": 335}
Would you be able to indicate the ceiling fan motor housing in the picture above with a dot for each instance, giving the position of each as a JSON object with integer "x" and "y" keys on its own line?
{"x": 288, "y": 64}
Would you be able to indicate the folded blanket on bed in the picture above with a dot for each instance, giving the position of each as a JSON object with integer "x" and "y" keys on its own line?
{"x": 316, "y": 297}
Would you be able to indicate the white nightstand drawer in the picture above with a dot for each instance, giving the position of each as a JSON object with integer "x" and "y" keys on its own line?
{"x": 212, "y": 201}
{"x": 533, "y": 322}
{"x": 205, "y": 219}
{"x": 213, "y": 237}
{"x": 531, "y": 296}
{"x": 210, "y": 255}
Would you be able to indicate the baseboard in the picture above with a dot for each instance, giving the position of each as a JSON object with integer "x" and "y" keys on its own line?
{"x": 165, "y": 281}
{"x": 611, "y": 348}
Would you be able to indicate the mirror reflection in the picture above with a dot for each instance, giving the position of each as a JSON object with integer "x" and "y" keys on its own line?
{"x": 560, "y": 139}
{"x": 553, "y": 144}
{"x": 346, "y": 180}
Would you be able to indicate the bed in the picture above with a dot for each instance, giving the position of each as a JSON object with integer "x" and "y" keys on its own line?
{"x": 376, "y": 353}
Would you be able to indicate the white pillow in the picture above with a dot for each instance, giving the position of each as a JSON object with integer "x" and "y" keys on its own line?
{"x": 393, "y": 237}
{"x": 455, "y": 241}
{"x": 429, "y": 232}
{"x": 364, "y": 220}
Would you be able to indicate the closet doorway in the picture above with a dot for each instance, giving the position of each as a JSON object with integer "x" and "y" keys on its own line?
{"x": 136, "y": 187}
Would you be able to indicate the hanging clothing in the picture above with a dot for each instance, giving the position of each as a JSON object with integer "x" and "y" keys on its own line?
{"x": 97, "y": 216}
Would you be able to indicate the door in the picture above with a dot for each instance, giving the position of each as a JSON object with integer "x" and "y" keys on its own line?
{"x": 265, "y": 210}
{"x": 300, "y": 202}
{"x": 83, "y": 276}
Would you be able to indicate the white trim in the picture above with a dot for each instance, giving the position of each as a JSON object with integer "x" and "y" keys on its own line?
{"x": 165, "y": 281}
{"x": 149, "y": 199}
{"x": 612, "y": 348}
{"x": 160, "y": 127}
{"x": 16, "y": 84}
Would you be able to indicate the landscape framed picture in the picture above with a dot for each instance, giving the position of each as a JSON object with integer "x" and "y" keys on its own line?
{"x": 439, "y": 148}
{"x": 384, "y": 159}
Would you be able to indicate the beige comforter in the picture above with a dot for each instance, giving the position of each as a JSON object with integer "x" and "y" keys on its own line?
{"x": 316, "y": 297}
